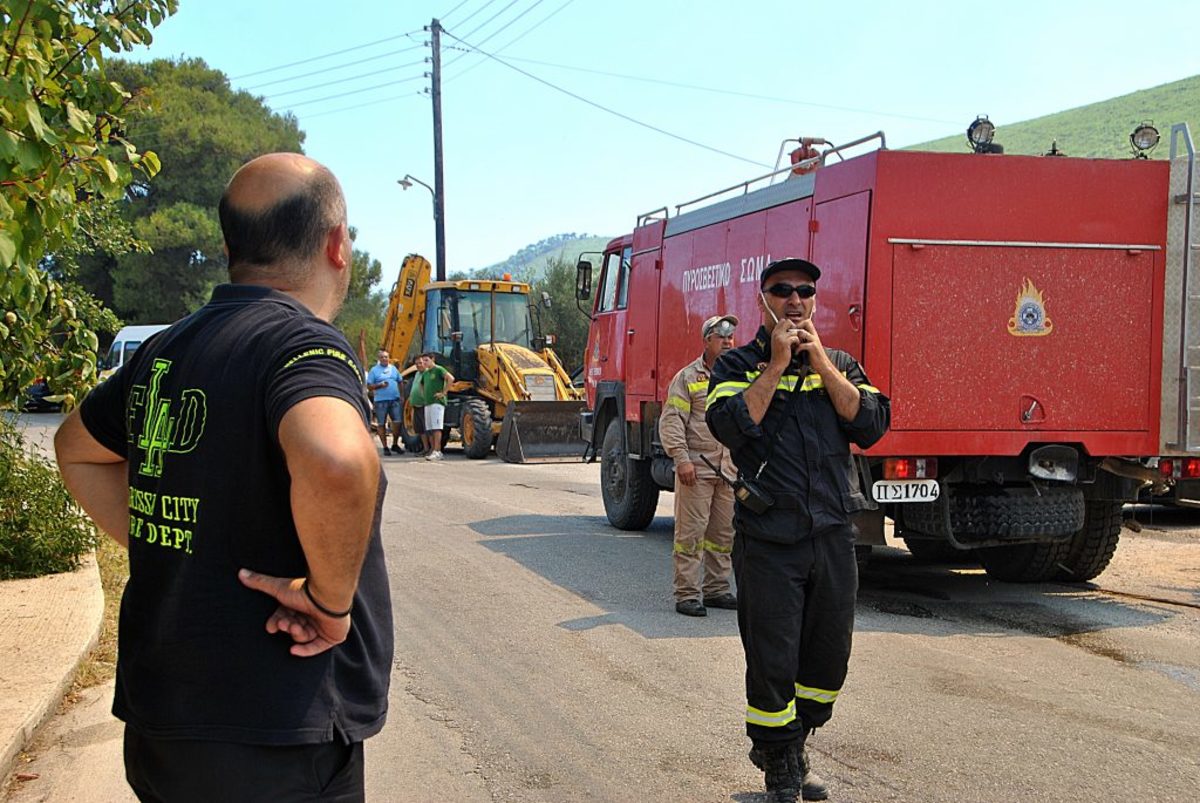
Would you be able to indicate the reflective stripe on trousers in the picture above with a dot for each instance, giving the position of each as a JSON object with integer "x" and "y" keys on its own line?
{"x": 796, "y": 619}
{"x": 703, "y": 539}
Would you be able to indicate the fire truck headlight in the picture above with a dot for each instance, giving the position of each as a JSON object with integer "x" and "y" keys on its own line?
{"x": 1143, "y": 139}
{"x": 980, "y": 133}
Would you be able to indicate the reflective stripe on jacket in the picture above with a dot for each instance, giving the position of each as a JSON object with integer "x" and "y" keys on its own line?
{"x": 681, "y": 427}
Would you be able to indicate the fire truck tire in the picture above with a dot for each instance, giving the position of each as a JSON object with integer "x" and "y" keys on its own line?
{"x": 629, "y": 492}
{"x": 476, "y": 429}
{"x": 1007, "y": 513}
{"x": 1024, "y": 563}
{"x": 1092, "y": 547}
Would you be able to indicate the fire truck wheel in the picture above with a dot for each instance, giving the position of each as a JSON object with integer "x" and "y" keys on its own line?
{"x": 1024, "y": 563}
{"x": 476, "y": 429}
{"x": 1092, "y": 547}
{"x": 1001, "y": 513}
{"x": 630, "y": 493}
{"x": 933, "y": 550}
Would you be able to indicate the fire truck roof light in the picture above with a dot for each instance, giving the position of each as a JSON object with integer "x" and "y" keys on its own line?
{"x": 1143, "y": 139}
{"x": 980, "y": 133}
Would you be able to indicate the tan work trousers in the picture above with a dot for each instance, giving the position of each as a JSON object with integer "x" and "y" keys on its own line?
{"x": 703, "y": 538}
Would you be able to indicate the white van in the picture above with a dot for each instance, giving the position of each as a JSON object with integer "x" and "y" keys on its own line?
{"x": 124, "y": 344}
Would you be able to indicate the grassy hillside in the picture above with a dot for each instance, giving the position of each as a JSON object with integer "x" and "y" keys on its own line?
{"x": 1097, "y": 130}
{"x": 529, "y": 264}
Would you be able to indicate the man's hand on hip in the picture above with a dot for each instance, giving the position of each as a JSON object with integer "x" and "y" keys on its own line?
{"x": 312, "y": 631}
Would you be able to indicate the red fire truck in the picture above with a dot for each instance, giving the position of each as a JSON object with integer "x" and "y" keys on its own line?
{"x": 1029, "y": 317}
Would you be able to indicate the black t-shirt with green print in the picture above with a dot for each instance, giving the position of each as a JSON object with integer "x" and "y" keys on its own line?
{"x": 196, "y": 412}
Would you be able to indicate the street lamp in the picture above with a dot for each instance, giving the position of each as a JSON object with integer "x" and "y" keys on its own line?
{"x": 439, "y": 229}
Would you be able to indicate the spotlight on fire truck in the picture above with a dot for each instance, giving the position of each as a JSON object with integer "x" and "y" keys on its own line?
{"x": 1143, "y": 139}
{"x": 979, "y": 136}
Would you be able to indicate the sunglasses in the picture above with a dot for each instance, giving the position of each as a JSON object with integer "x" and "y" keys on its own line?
{"x": 785, "y": 290}
{"x": 723, "y": 329}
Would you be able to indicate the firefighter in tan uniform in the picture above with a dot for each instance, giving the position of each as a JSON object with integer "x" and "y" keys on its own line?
{"x": 703, "y": 503}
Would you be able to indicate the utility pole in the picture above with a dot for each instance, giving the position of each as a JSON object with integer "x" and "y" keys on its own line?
{"x": 439, "y": 193}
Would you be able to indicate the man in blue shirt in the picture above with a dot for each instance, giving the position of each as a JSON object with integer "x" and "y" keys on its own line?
{"x": 384, "y": 380}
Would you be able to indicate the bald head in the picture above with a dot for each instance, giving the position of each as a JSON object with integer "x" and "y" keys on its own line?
{"x": 276, "y": 213}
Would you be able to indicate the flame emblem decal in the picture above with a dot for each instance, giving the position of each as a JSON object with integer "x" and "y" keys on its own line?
{"x": 1029, "y": 318}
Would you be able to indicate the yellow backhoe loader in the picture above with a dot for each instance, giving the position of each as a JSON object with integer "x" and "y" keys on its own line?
{"x": 510, "y": 388}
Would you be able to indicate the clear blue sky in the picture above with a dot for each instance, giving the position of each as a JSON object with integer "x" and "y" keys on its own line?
{"x": 524, "y": 161}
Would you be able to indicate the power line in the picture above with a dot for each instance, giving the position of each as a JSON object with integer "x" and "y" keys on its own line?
{"x": 488, "y": 21}
{"x": 456, "y": 8}
{"x": 357, "y": 106}
{"x": 337, "y": 67}
{"x": 751, "y": 95}
{"x": 354, "y": 92}
{"x": 476, "y": 11}
{"x": 345, "y": 80}
{"x": 614, "y": 112}
{"x": 324, "y": 56}
{"x": 501, "y": 29}
{"x": 514, "y": 40}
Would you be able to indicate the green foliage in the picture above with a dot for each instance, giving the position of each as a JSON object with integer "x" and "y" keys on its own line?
{"x": 42, "y": 531}
{"x": 62, "y": 149}
{"x": 1098, "y": 130}
{"x": 563, "y": 319}
{"x": 361, "y": 317}
{"x": 203, "y": 131}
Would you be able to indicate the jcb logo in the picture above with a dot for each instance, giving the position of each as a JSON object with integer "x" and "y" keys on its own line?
{"x": 158, "y": 425}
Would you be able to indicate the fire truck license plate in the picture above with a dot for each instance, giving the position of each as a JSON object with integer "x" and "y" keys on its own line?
{"x": 905, "y": 490}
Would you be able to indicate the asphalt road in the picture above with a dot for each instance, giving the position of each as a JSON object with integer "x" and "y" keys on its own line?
{"x": 539, "y": 658}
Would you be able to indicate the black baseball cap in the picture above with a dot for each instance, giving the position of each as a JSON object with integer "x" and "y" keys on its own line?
{"x": 789, "y": 263}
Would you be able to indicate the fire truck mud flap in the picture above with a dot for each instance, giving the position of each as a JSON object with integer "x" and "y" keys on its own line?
{"x": 541, "y": 432}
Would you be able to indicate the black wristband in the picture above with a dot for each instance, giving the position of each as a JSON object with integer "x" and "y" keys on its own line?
{"x": 332, "y": 614}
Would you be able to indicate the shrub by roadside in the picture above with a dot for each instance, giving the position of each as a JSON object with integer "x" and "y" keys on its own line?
{"x": 42, "y": 530}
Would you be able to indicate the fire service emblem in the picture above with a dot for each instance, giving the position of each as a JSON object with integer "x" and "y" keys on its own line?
{"x": 1029, "y": 318}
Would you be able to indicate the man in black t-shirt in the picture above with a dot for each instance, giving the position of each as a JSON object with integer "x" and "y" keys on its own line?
{"x": 231, "y": 457}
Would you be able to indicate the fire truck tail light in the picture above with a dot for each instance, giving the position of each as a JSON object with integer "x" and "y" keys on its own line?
{"x": 1182, "y": 468}
{"x": 910, "y": 468}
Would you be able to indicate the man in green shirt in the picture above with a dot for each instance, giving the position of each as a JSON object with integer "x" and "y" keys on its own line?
{"x": 430, "y": 392}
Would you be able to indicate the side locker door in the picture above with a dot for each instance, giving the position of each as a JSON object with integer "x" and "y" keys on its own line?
{"x": 839, "y": 249}
{"x": 642, "y": 322}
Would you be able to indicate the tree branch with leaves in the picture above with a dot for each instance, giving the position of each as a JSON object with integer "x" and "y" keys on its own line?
{"x": 60, "y": 150}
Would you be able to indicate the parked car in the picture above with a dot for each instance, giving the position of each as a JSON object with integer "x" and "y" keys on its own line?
{"x": 35, "y": 399}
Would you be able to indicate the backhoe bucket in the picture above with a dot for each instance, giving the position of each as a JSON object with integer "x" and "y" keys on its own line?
{"x": 541, "y": 432}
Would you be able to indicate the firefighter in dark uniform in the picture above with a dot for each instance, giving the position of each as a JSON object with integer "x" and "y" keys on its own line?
{"x": 788, "y": 409}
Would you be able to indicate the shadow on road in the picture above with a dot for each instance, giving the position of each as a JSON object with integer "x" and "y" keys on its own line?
{"x": 628, "y": 574}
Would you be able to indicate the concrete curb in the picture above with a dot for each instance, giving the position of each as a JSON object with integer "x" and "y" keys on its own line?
{"x": 49, "y": 625}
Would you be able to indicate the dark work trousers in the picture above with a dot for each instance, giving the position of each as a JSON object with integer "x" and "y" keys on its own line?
{"x": 186, "y": 770}
{"x": 796, "y": 618}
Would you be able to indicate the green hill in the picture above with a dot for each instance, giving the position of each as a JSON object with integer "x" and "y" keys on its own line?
{"x": 530, "y": 262}
{"x": 1098, "y": 129}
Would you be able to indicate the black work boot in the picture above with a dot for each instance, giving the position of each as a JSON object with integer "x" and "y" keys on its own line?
{"x": 812, "y": 785}
{"x": 781, "y": 775}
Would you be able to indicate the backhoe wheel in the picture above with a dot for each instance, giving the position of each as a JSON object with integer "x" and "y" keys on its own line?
{"x": 1092, "y": 547}
{"x": 411, "y": 441}
{"x": 1024, "y": 563}
{"x": 476, "y": 429}
{"x": 630, "y": 493}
